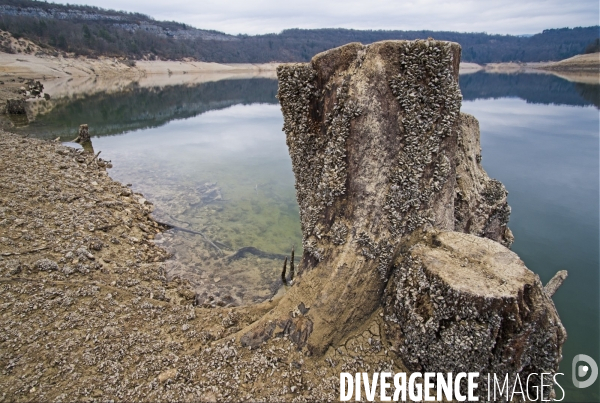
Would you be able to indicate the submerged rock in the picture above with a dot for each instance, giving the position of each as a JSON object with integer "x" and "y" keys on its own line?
{"x": 15, "y": 107}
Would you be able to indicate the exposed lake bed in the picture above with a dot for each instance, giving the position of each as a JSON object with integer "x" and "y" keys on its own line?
{"x": 170, "y": 160}
{"x": 81, "y": 267}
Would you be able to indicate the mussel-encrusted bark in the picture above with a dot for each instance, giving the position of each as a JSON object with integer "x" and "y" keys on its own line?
{"x": 461, "y": 303}
{"x": 383, "y": 158}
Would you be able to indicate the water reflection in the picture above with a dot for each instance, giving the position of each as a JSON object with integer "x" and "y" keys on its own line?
{"x": 137, "y": 108}
{"x": 18, "y": 121}
{"x": 533, "y": 88}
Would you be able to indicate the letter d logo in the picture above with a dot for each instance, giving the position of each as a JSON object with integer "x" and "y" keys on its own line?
{"x": 582, "y": 370}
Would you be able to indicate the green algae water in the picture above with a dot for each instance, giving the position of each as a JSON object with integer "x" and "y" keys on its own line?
{"x": 212, "y": 159}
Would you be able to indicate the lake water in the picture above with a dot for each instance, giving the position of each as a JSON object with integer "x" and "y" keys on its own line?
{"x": 212, "y": 158}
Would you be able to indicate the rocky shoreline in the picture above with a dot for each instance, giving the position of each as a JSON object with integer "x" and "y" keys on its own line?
{"x": 87, "y": 312}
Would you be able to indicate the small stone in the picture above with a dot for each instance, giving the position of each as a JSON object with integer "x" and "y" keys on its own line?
{"x": 85, "y": 253}
{"x": 68, "y": 270}
{"x": 303, "y": 309}
{"x": 167, "y": 375}
{"x": 46, "y": 265}
{"x": 96, "y": 245}
{"x": 14, "y": 267}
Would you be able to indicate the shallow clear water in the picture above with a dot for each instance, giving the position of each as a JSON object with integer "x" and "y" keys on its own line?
{"x": 225, "y": 173}
{"x": 212, "y": 158}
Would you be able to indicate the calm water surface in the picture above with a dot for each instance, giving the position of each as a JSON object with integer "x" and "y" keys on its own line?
{"x": 212, "y": 158}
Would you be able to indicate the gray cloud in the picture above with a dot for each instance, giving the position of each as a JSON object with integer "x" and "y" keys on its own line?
{"x": 267, "y": 16}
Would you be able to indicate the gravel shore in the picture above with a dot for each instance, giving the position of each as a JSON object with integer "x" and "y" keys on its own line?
{"x": 87, "y": 311}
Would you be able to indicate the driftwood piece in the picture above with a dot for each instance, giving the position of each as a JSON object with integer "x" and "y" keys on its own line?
{"x": 25, "y": 252}
{"x": 555, "y": 282}
{"x": 94, "y": 159}
{"x": 251, "y": 250}
{"x": 292, "y": 265}
{"x": 283, "y": 279}
{"x": 189, "y": 231}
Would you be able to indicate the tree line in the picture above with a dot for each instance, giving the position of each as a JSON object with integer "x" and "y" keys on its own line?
{"x": 105, "y": 37}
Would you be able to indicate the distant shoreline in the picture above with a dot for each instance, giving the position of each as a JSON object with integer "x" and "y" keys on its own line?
{"x": 583, "y": 69}
{"x": 30, "y": 66}
{"x": 66, "y": 76}
{"x": 59, "y": 66}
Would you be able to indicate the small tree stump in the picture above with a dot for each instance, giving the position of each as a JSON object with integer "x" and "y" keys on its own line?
{"x": 84, "y": 139}
{"x": 84, "y": 134}
{"x": 461, "y": 303}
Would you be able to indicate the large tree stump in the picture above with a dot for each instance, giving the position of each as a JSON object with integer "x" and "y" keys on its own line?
{"x": 381, "y": 156}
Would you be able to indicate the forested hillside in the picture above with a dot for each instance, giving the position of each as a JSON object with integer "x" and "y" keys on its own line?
{"x": 92, "y": 31}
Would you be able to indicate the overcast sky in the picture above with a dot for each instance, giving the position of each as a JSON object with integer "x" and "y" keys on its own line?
{"x": 268, "y": 16}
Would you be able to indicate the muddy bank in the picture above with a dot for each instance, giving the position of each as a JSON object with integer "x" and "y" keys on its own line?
{"x": 589, "y": 62}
